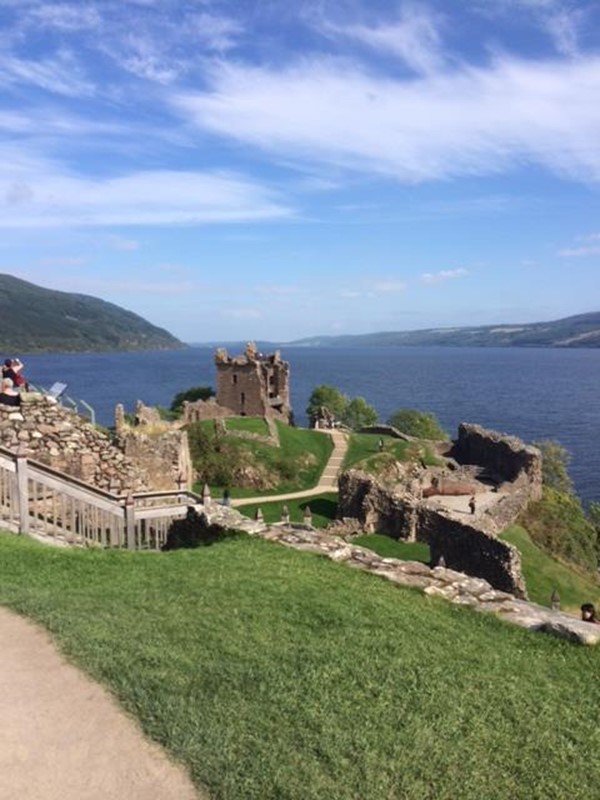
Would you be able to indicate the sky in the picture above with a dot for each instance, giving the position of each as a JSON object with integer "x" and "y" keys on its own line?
{"x": 266, "y": 169}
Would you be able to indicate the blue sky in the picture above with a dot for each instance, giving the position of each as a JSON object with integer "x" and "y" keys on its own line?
{"x": 266, "y": 169}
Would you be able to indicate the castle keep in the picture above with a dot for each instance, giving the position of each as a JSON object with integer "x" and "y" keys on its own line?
{"x": 253, "y": 384}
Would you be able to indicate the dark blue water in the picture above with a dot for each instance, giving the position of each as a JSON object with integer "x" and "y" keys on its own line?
{"x": 531, "y": 393}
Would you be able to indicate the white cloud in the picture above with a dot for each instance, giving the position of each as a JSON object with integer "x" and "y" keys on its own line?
{"x": 123, "y": 245}
{"x": 563, "y": 27}
{"x": 414, "y": 38}
{"x": 432, "y": 278}
{"x": 472, "y": 121}
{"x": 579, "y": 252}
{"x": 35, "y": 193}
{"x": 388, "y": 287}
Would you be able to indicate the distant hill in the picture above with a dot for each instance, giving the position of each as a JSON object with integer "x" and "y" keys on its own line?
{"x": 33, "y": 319}
{"x": 582, "y": 330}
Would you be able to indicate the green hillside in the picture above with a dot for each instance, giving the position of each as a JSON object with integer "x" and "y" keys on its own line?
{"x": 279, "y": 675}
{"x": 582, "y": 330}
{"x": 34, "y": 319}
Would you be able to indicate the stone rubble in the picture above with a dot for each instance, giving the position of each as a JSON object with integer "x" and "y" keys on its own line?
{"x": 448, "y": 584}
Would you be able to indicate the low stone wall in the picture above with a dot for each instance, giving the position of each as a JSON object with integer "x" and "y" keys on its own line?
{"x": 505, "y": 458}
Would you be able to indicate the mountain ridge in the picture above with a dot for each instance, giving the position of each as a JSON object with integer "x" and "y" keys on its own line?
{"x": 38, "y": 320}
{"x": 580, "y": 330}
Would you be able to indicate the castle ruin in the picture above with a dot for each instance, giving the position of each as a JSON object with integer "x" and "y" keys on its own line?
{"x": 253, "y": 384}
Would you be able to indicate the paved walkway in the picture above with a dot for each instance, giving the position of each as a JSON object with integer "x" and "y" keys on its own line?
{"x": 327, "y": 481}
{"x": 63, "y": 737}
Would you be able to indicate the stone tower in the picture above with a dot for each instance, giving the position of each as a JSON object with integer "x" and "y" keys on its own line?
{"x": 253, "y": 384}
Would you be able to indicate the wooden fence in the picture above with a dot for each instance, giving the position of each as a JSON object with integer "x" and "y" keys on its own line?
{"x": 46, "y": 503}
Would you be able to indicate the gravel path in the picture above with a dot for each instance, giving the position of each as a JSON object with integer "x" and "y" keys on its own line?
{"x": 63, "y": 737}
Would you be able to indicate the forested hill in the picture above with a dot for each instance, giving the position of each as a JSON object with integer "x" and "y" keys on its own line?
{"x": 582, "y": 330}
{"x": 33, "y": 319}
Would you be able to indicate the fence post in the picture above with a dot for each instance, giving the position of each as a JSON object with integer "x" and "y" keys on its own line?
{"x": 130, "y": 522}
{"x": 22, "y": 489}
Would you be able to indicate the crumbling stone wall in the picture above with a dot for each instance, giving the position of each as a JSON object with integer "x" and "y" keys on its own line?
{"x": 65, "y": 441}
{"x": 464, "y": 546}
{"x": 158, "y": 448}
{"x": 505, "y": 458}
{"x": 199, "y": 410}
{"x": 467, "y": 547}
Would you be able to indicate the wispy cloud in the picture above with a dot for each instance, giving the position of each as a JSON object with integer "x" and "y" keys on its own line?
{"x": 433, "y": 278}
{"x": 65, "y": 16}
{"x": 414, "y": 38}
{"x": 123, "y": 245}
{"x": 471, "y": 121}
{"x": 60, "y": 74}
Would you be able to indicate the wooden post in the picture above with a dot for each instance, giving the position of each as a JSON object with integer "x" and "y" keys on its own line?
{"x": 22, "y": 490}
{"x": 130, "y": 522}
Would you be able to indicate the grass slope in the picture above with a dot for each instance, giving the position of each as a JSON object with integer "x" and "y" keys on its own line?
{"x": 322, "y": 507}
{"x": 279, "y": 675}
{"x": 363, "y": 452}
{"x": 543, "y": 574}
{"x": 44, "y": 320}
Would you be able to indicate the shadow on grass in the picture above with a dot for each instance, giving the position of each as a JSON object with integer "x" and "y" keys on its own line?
{"x": 322, "y": 506}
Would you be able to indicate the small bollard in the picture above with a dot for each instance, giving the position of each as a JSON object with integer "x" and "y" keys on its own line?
{"x": 555, "y": 600}
{"x": 206, "y": 498}
{"x": 258, "y": 515}
{"x": 285, "y": 515}
{"x": 307, "y": 518}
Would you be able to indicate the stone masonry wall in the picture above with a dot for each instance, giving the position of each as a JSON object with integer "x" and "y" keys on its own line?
{"x": 505, "y": 458}
{"x": 65, "y": 441}
{"x": 464, "y": 547}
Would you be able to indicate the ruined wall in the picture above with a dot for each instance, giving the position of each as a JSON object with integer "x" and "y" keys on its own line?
{"x": 162, "y": 455}
{"x": 199, "y": 410}
{"x": 464, "y": 546}
{"x": 469, "y": 548}
{"x": 505, "y": 458}
{"x": 65, "y": 441}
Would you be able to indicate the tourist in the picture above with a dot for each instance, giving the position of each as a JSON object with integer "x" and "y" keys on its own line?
{"x": 588, "y": 613}
{"x": 381, "y": 445}
{"x": 9, "y": 396}
{"x": 472, "y": 504}
{"x": 226, "y": 501}
{"x": 19, "y": 380}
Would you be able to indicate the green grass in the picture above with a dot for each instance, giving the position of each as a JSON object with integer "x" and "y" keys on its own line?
{"x": 363, "y": 451}
{"x": 392, "y": 548}
{"x": 277, "y": 675}
{"x": 301, "y": 457}
{"x": 543, "y": 574}
{"x": 322, "y": 506}
{"x": 255, "y": 425}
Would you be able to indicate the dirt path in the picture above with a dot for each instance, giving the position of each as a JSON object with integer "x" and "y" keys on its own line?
{"x": 63, "y": 737}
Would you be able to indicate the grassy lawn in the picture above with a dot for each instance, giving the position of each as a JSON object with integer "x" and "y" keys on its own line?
{"x": 363, "y": 451}
{"x": 322, "y": 506}
{"x": 391, "y": 548}
{"x": 277, "y": 675}
{"x": 543, "y": 574}
{"x": 248, "y": 425}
